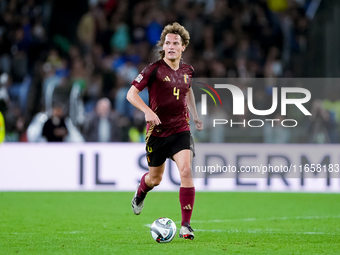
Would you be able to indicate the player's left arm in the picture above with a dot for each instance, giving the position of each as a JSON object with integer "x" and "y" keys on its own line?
{"x": 192, "y": 108}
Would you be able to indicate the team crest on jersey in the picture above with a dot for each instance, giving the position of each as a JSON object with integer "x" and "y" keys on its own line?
{"x": 139, "y": 78}
{"x": 186, "y": 78}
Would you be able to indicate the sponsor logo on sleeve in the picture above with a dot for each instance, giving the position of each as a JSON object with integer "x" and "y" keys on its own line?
{"x": 139, "y": 78}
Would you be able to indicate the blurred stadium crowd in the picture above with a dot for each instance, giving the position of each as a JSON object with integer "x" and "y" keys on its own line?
{"x": 76, "y": 86}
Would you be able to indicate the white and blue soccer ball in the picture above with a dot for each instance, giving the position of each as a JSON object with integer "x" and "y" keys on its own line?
{"x": 163, "y": 230}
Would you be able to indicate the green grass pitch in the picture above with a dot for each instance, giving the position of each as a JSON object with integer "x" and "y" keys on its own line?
{"x": 224, "y": 223}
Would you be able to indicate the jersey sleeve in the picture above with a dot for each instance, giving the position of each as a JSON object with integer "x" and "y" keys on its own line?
{"x": 192, "y": 76}
{"x": 142, "y": 79}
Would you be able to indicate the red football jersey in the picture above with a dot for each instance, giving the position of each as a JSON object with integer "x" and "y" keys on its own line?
{"x": 167, "y": 96}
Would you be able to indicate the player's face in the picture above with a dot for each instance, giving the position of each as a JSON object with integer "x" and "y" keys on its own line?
{"x": 173, "y": 47}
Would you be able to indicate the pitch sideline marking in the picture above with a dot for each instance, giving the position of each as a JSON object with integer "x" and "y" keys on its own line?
{"x": 262, "y": 230}
{"x": 269, "y": 231}
{"x": 269, "y": 219}
{"x": 264, "y": 219}
{"x": 258, "y": 231}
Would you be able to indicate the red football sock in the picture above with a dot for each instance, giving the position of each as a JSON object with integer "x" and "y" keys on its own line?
{"x": 143, "y": 188}
{"x": 186, "y": 199}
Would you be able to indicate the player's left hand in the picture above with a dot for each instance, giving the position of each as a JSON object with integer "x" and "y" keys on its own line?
{"x": 199, "y": 124}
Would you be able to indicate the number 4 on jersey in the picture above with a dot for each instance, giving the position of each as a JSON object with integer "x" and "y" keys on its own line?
{"x": 176, "y": 93}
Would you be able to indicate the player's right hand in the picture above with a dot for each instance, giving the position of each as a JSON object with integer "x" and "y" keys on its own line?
{"x": 152, "y": 118}
{"x": 199, "y": 124}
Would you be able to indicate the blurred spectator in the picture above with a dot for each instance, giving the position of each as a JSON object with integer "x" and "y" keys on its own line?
{"x": 86, "y": 30}
{"x": 2, "y": 128}
{"x": 54, "y": 129}
{"x": 4, "y": 97}
{"x": 102, "y": 125}
{"x": 332, "y": 104}
{"x": 78, "y": 74}
{"x": 15, "y": 126}
{"x": 323, "y": 127}
{"x": 93, "y": 92}
{"x": 274, "y": 132}
{"x": 154, "y": 25}
{"x": 120, "y": 39}
{"x": 217, "y": 132}
{"x": 137, "y": 132}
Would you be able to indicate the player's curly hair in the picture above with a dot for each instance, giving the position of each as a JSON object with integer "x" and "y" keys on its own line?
{"x": 174, "y": 28}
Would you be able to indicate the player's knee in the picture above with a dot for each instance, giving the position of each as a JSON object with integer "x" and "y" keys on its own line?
{"x": 185, "y": 172}
{"x": 155, "y": 181}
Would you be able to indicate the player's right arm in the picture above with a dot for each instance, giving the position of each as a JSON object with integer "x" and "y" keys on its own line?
{"x": 137, "y": 101}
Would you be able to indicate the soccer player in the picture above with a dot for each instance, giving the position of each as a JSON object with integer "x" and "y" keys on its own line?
{"x": 168, "y": 133}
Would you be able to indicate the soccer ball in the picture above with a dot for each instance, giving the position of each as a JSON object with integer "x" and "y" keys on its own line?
{"x": 163, "y": 230}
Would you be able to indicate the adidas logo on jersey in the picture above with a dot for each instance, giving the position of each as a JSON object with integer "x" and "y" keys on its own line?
{"x": 166, "y": 78}
{"x": 187, "y": 207}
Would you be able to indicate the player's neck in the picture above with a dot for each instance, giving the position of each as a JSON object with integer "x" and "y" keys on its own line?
{"x": 174, "y": 64}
